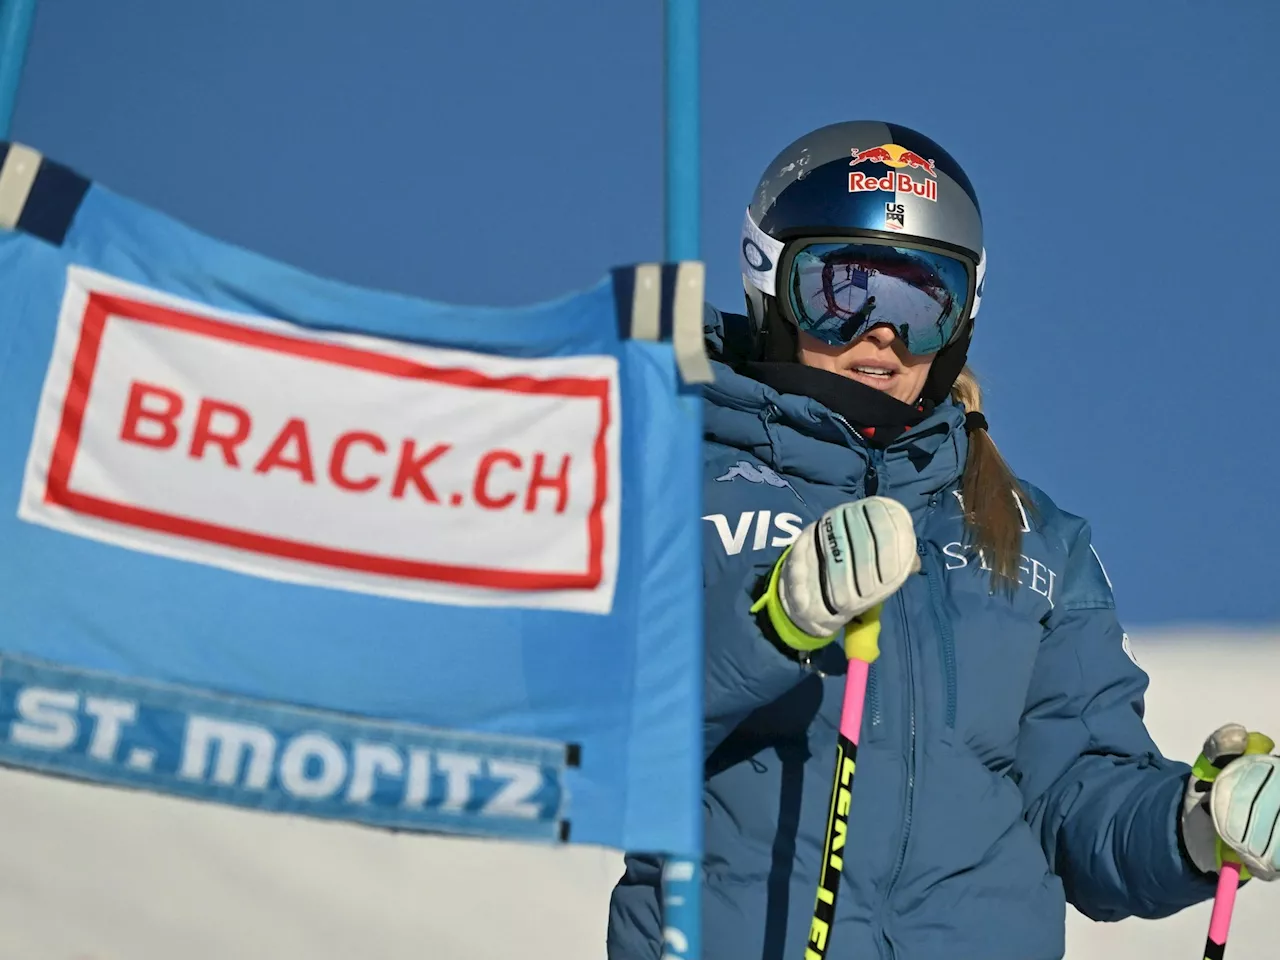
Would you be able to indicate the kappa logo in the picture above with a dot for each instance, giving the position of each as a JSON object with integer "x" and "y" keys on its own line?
{"x": 756, "y": 473}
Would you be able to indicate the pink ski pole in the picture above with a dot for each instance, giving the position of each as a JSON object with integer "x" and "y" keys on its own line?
{"x": 861, "y": 646}
{"x": 1224, "y": 900}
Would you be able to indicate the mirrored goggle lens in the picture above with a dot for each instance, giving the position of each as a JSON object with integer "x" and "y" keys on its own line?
{"x": 838, "y": 291}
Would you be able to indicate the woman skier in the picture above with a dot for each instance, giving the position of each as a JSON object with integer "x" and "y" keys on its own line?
{"x": 1004, "y": 769}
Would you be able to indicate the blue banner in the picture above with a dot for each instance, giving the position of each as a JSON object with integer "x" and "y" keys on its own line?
{"x": 278, "y": 757}
{"x": 276, "y": 541}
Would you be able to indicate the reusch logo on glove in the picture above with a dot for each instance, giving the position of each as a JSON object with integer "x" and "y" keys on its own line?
{"x": 829, "y": 530}
{"x": 329, "y": 459}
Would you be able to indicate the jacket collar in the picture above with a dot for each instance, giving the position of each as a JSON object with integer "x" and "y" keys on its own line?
{"x": 799, "y": 436}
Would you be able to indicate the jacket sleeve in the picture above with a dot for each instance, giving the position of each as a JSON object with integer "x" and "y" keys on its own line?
{"x": 1100, "y": 796}
{"x": 743, "y": 669}
{"x": 635, "y": 912}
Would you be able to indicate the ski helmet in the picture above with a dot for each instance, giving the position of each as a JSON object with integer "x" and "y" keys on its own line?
{"x": 863, "y": 224}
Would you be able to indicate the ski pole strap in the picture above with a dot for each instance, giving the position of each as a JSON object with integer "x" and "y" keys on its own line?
{"x": 1207, "y": 771}
{"x": 787, "y": 631}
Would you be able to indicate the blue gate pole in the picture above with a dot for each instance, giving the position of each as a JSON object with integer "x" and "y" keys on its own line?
{"x": 15, "y": 30}
{"x": 682, "y": 875}
{"x": 683, "y": 201}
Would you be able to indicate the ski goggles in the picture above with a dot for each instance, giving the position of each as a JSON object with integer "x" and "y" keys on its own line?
{"x": 838, "y": 289}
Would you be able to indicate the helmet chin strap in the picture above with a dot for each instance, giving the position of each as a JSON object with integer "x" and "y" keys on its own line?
{"x": 947, "y": 364}
{"x": 779, "y": 339}
{"x": 779, "y": 342}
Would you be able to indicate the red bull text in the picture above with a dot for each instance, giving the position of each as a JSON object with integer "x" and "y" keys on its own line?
{"x": 899, "y": 182}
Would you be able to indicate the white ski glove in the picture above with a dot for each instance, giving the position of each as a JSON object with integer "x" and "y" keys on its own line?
{"x": 850, "y": 561}
{"x": 1232, "y": 804}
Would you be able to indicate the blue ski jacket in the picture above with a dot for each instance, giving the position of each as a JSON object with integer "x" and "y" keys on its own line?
{"x": 1004, "y": 768}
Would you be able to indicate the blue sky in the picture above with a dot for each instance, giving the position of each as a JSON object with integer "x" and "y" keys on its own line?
{"x": 508, "y": 152}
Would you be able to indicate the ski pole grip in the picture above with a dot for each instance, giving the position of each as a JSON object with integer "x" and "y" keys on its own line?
{"x": 862, "y": 636}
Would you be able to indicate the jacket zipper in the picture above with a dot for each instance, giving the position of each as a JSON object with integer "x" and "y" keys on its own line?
{"x": 853, "y": 432}
{"x": 909, "y": 805}
{"x": 871, "y": 483}
{"x": 945, "y": 637}
{"x": 870, "y": 486}
{"x": 873, "y": 695}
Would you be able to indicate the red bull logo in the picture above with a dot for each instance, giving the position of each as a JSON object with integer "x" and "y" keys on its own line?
{"x": 900, "y": 181}
{"x": 892, "y": 155}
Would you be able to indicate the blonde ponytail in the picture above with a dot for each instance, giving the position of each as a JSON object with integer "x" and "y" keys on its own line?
{"x": 995, "y": 505}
